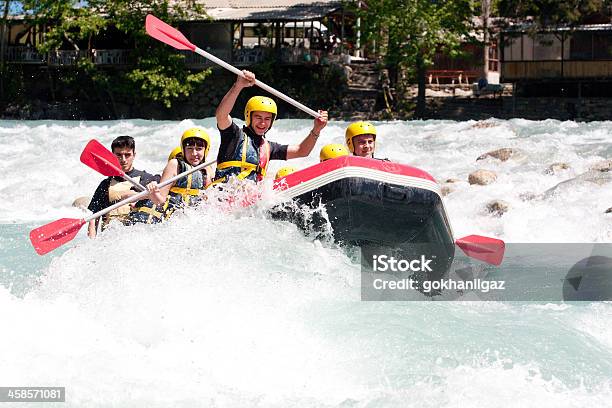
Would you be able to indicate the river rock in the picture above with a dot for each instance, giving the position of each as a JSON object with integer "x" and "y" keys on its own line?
{"x": 505, "y": 154}
{"x": 602, "y": 166}
{"x": 498, "y": 207}
{"x": 484, "y": 125}
{"x": 529, "y": 196}
{"x": 598, "y": 177}
{"x": 593, "y": 176}
{"x": 482, "y": 177}
{"x": 556, "y": 168}
{"x": 82, "y": 202}
{"x": 449, "y": 186}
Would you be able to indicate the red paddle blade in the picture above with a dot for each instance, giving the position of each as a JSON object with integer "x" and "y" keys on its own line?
{"x": 100, "y": 159}
{"x": 55, "y": 234}
{"x": 167, "y": 34}
{"x": 489, "y": 250}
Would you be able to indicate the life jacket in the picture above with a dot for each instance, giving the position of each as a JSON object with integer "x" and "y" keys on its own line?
{"x": 186, "y": 191}
{"x": 147, "y": 212}
{"x": 375, "y": 158}
{"x": 248, "y": 162}
{"x": 115, "y": 189}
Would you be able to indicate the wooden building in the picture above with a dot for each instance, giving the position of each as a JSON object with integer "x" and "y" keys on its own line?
{"x": 242, "y": 32}
{"x": 247, "y": 32}
{"x": 559, "y": 62}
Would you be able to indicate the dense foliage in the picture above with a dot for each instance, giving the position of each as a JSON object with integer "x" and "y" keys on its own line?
{"x": 408, "y": 33}
{"x": 157, "y": 71}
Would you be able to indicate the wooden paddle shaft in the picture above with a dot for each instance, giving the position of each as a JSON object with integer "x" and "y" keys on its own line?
{"x": 258, "y": 83}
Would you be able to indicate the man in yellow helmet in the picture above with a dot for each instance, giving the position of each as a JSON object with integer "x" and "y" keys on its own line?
{"x": 331, "y": 151}
{"x": 361, "y": 139}
{"x": 245, "y": 153}
{"x": 285, "y": 171}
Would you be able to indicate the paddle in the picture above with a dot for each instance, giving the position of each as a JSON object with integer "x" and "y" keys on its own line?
{"x": 55, "y": 234}
{"x": 99, "y": 158}
{"x": 489, "y": 250}
{"x": 173, "y": 37}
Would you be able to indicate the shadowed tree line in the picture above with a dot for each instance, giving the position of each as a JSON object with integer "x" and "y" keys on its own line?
{"x": 407, "y": 34}
{"x": 158, "y": 72}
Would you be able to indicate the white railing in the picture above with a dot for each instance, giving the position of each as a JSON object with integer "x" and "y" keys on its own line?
{"x": 111, "y": 57}
{"x": 29, "y": 55}
{"x": 63, "y": 58}
{"x": 25, "y": 55}
{"x": 244, "y": 57}
{"x": 195, "y": 60}
{"x": 249, "y": 56}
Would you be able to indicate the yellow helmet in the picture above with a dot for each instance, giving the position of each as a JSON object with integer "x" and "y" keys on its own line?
{"x": 285, "y": 171}
{"x": 197, "y": 133}
{"x": 175, "y": 152}
{"x": 331, "y": 151}
{"x": 260, "y": 104}
{"x": 356, "y": 129}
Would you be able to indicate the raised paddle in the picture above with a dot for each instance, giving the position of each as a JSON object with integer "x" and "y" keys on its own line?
{"x": 57, "y": 233}
{"x": 99, "y": 158}
{"x": 173, "y": 37}
{"x": 489, "y": 250}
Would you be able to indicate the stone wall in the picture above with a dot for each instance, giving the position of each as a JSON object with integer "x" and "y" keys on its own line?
{"x": 507, "y": 107}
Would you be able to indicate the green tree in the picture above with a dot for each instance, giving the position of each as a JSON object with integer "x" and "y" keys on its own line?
{"x": 408, "y": 33}
{"x": 158, "y": 72}
{"x": 553, "y": 13}
{"x": 3, "y": 42}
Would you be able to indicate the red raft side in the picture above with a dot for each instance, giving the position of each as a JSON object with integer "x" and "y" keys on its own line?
{"x": 328, "y": 166}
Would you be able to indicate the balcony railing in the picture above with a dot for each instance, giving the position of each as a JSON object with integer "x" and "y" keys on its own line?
{"x": 111, "y": 57}
{"x": 29, "y": 55}
{"x": 25, "y": 55}
{"x": 252, "y": 56}
{"x": 240, "y": 57}
{"x": 64, "y": 58}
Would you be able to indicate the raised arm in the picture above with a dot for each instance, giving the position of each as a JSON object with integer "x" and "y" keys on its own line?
{"x": 305, "y": 147}
{"x": 224, "y": 120}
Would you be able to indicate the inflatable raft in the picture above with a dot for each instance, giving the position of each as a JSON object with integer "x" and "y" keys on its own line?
{"x": 378, "y": 205}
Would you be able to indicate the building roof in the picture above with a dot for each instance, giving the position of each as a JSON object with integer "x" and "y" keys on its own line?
{"x": 253, "y": 10}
